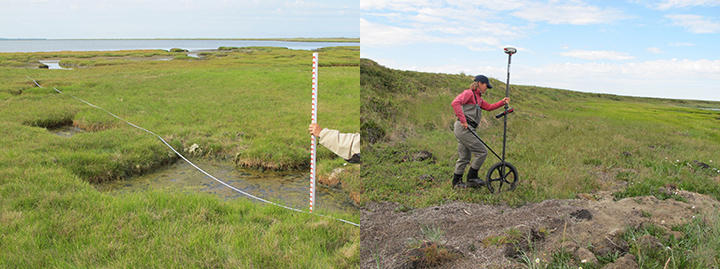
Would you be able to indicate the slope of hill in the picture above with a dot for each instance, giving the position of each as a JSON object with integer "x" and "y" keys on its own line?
{"x": 587, "y": 152}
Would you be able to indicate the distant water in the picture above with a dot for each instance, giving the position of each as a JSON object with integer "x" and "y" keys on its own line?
{"x": 54, "y": 64}
{"x": 136, "y": 44}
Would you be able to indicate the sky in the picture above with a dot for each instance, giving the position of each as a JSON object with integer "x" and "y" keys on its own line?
{"x": 87, "y": 19}
{"x": 648, "y": 48}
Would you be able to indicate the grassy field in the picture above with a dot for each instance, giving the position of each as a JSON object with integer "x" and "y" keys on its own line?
{"x": 250, "y": 106}
{"x": 563, "y": 143}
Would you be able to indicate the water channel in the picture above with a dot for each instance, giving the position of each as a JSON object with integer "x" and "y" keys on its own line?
{"x": 286, "y": 188}
{"x": 289, "y": 188}
{"x": 54, "y": 64}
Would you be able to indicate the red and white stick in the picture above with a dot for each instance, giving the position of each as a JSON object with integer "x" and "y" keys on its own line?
{"x": 313, "y": 156}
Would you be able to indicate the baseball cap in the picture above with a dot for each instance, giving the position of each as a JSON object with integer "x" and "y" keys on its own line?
{"x": 483, "y": 79}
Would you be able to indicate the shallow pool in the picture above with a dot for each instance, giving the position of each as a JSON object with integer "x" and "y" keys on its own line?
{"x": 286, "y": 188}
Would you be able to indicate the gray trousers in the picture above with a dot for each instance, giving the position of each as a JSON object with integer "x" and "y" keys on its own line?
{"x": 468, "y": 145}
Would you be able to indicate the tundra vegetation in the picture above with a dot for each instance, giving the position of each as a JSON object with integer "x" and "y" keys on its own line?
{"x": 250, "y": 106}
{"x": 564, "y": 144}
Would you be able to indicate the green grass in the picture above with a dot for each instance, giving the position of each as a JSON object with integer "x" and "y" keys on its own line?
{"x": 237, "y": 103}
{"x": 694, "y": 244}
{"x": 53, "y": 219}
{"x": 698, "y": 247}
{"x": 562, "y": 142}
{"x": 251, "y": 107}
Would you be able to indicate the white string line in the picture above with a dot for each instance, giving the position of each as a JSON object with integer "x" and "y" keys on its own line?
{"x": 192, "y": 164}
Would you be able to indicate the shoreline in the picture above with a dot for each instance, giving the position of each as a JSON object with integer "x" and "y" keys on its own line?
{"x": 295, "y": 39}
{"x": 56, "y": 45}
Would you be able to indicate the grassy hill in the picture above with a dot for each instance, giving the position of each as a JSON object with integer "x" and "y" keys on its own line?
{"x": 562, "y": 142}
{"x": 565, "y": 144}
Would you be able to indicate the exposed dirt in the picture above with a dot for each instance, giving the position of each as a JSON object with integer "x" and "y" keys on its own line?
{"x": 587, "y": 226}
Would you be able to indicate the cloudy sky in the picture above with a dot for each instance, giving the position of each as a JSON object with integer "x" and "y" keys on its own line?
{"x": 651, "y": 48}
{"x": 61, "y": 19}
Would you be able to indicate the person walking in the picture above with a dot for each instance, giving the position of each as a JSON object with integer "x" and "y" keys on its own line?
{"x": 467, "y": 107}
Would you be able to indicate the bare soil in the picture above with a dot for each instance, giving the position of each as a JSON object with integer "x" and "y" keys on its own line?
{"x": 587, "y": 226}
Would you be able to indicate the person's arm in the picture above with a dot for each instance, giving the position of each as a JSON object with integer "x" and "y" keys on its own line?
{"x": 345, "y": 145}
{"x": 489, "y": 107}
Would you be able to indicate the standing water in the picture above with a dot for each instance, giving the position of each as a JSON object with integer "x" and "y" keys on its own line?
{"x": 53, "y": 64}
{"x": 66, "y": 131}
{"x": 286, "y": 188}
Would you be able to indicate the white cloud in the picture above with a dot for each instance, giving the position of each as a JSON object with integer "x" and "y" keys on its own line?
{"x": 475, "y": 24}
{"x": 597, "y": 55}
{"x": 695, "y": 23}
{"x": 408, "y": 5}
{"x": 392, "y": 16}
{"x": 375, "y": 34}
{"x": 378, "y": 34}
{"x": 654, "y": 50}
{"x": 658, "y": 69}
{"x": 572, "y": 12}
{"x": 668, "y": 4}
{"x": 425, "y": 18}
{"x": 403, "y": 5}
{"x": 462, "y": 27}
{"x": 660, "y": 78}
{"x": 400, "y": 23}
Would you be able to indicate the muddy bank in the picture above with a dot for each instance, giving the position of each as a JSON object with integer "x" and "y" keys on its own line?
{"x": 473, "y": 229}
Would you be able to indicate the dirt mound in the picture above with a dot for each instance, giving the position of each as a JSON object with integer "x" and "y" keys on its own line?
{"x": 586, "y": 227}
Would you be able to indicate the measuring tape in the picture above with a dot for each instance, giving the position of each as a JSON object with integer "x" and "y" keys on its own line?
{"x": 313, "y": 156}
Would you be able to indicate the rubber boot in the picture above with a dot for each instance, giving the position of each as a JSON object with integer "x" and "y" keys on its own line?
{"x": 473, "y": 180}
{"x": 457, "y": 181}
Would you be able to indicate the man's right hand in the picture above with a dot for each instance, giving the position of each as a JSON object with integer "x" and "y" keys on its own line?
{"x": 315, "y": 129}
{"x": 464, "y": 125}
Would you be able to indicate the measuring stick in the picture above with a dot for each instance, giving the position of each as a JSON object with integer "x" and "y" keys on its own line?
{"x": 313, "y": 156}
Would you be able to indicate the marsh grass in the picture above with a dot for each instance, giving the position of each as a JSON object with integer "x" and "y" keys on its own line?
{"x": 241, "y": 105}
{"x": 250, "y": 107}
{"x": 696, "y": 247}
{"x": 62, "y": 221}
{"x": 563, "y": 143}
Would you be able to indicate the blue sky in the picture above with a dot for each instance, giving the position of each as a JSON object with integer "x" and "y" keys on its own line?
{"x": 60, "y": 19}
{"x": 662, "y": 48}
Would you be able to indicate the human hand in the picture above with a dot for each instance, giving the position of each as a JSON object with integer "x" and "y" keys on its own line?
{"x": 464, "y": 125}
{"x": 506, "y": 100}
{"x": 314, "y": 129}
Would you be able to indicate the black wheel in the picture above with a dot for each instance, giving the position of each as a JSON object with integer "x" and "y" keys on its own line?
{"x": 502, "y": 176}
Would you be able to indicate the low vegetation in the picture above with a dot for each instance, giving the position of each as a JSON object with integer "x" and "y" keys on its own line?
{"x": 564, "y": 143}
{"x": 250, "y": 107}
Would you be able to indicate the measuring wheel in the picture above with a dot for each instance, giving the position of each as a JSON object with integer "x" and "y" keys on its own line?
{"x": 502, "y": 176}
